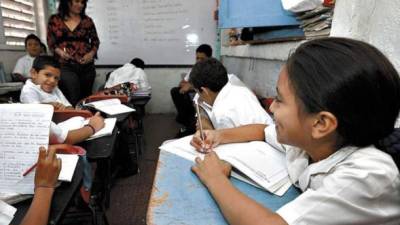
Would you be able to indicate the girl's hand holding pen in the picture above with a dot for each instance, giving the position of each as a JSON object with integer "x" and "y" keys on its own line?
{"x": 211, "y": 139}
{"x": 48, "y": 168}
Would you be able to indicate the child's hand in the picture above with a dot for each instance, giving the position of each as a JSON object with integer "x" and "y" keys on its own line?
{"x": 185, "y": 87}
{"x": 58, "y": 106}
{"x": 212, "y": 138}
{"x": 48, "y": 168}
{"x": 87, "y": 58}
{"x": 97, "y": 122}
{"x": 211, "y": 169}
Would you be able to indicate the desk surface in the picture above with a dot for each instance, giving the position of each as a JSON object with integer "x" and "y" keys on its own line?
{"x": 61, "y": 199}
{"x": 101, "y": 148}
{"x": 178, "y": 197}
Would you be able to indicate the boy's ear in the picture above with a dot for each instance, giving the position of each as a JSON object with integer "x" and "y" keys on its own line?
{"x": 33, "y": 73}
{"x": 325, "y": 123}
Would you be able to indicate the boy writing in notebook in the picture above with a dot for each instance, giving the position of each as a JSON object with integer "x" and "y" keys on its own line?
{"x": 232, "y": 103}
{"x": 43, "y": 87}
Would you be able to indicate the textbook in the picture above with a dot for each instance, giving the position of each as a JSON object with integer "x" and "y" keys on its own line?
{"x": 78, "y": 122}
{"x": 110, "y": 106}
{"x": 256, "y": 162}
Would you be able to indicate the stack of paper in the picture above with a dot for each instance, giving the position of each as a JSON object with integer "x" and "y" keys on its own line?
{"x": 258, "y": 162}
{"x": 6, "y": 213}
{"x": 317, "y": 22}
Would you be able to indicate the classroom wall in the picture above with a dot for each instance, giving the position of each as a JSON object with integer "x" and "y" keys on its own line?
{"x": 258, "y": 65}
{"x": 374, "y": 21}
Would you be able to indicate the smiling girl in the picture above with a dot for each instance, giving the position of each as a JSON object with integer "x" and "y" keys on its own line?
{"x": 337, "y": 101}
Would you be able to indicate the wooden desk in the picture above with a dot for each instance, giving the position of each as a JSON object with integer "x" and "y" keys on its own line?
{"x": 178, "y": 197}
{"x": 62, "y": 197}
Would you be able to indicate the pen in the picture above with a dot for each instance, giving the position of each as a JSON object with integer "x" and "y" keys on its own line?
{"x": 199, "y": 120}
{"x": 29, "y": 170}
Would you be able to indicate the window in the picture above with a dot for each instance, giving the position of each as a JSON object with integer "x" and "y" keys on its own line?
{"x": 18, "y": 20}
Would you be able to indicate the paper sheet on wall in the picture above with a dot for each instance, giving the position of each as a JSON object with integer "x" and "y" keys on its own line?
{"x": 23, "y": 129}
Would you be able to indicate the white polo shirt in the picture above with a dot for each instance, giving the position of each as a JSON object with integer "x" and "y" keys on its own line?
{"x": 235, "y": 105}
{"x": 352, "y": 186}
{"x": 128, "y": 73}
{"x": 32, "y": 93}
{"x": 24, "y": 65}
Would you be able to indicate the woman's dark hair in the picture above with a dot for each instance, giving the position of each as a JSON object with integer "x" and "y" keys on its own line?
{"x": 209, "y": 73}
{"x": 32, "y": 37}
{"x": 351, "y": 79}
{"x": 63, "y": 8}
{"x": 204, "y": 48}
{"x": 42, "y": 61}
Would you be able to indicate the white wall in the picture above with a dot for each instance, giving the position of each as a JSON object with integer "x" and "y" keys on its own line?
{"x": 374, "y": 21}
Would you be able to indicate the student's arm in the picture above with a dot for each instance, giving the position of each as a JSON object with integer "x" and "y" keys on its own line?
{"x": 75, "y": 136}
{"x": 47, "y": 171}
{"x": 236, "y": 207}
{"x": 213, "y": 138}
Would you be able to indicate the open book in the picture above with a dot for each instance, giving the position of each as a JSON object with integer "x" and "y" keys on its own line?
{"x": 78, "y": 122}
{"x": 258, "y": 162}
{"x": 110, "y": 106}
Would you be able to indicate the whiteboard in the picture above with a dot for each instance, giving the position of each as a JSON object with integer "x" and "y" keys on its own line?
{"x": 161, "y": 32}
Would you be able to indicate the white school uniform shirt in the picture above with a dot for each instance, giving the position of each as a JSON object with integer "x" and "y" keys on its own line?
{"x": 352, "y": 186}
{"x": 235, "y": 105}
{"x": 32, "y": 93}
{"x": 24, "y": 65}
{"x": 128, "y": 73}
{"x": 57, "y": 134}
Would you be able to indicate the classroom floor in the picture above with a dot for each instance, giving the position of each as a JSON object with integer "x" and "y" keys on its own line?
{"x": 130, "y": 196}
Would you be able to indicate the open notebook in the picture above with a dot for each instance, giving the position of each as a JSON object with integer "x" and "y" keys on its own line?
{"x": 110, "y": 106}
{"x": 258, "y": 162}
{"x": 78, "y": 122}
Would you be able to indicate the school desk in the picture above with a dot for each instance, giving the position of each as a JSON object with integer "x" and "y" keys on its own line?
{"x": 62, "y": 197}
{"x": 100, "y": 150}
{"x": 178, "y": 197}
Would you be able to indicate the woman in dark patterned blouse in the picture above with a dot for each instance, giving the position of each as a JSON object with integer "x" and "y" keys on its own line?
{"x": 72, "y": 36}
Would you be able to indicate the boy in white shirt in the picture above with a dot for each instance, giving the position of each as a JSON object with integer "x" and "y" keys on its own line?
{"x": 132, "y": 72}
{"x": 23, "y": 66}
{"x": 43, "y": 88}
{"x": 233, "y": 104}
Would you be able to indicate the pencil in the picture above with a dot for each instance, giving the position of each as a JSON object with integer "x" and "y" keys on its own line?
{"x": 29, "y": 170}
{"x": 199, "y": 120}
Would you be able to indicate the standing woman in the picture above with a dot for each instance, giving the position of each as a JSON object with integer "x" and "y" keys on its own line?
{"x": 72, "y": 37}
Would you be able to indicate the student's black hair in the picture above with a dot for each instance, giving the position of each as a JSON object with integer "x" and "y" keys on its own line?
{"x": 354, "y": 81}
{"x": 209, "y": 73}
{"x": 31, "y": 37}
{"x": 139, "y": 63}
{"x": 206, "y": 49}
{"x": 42, "y": 61}
{"x": 63, "y": 8}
